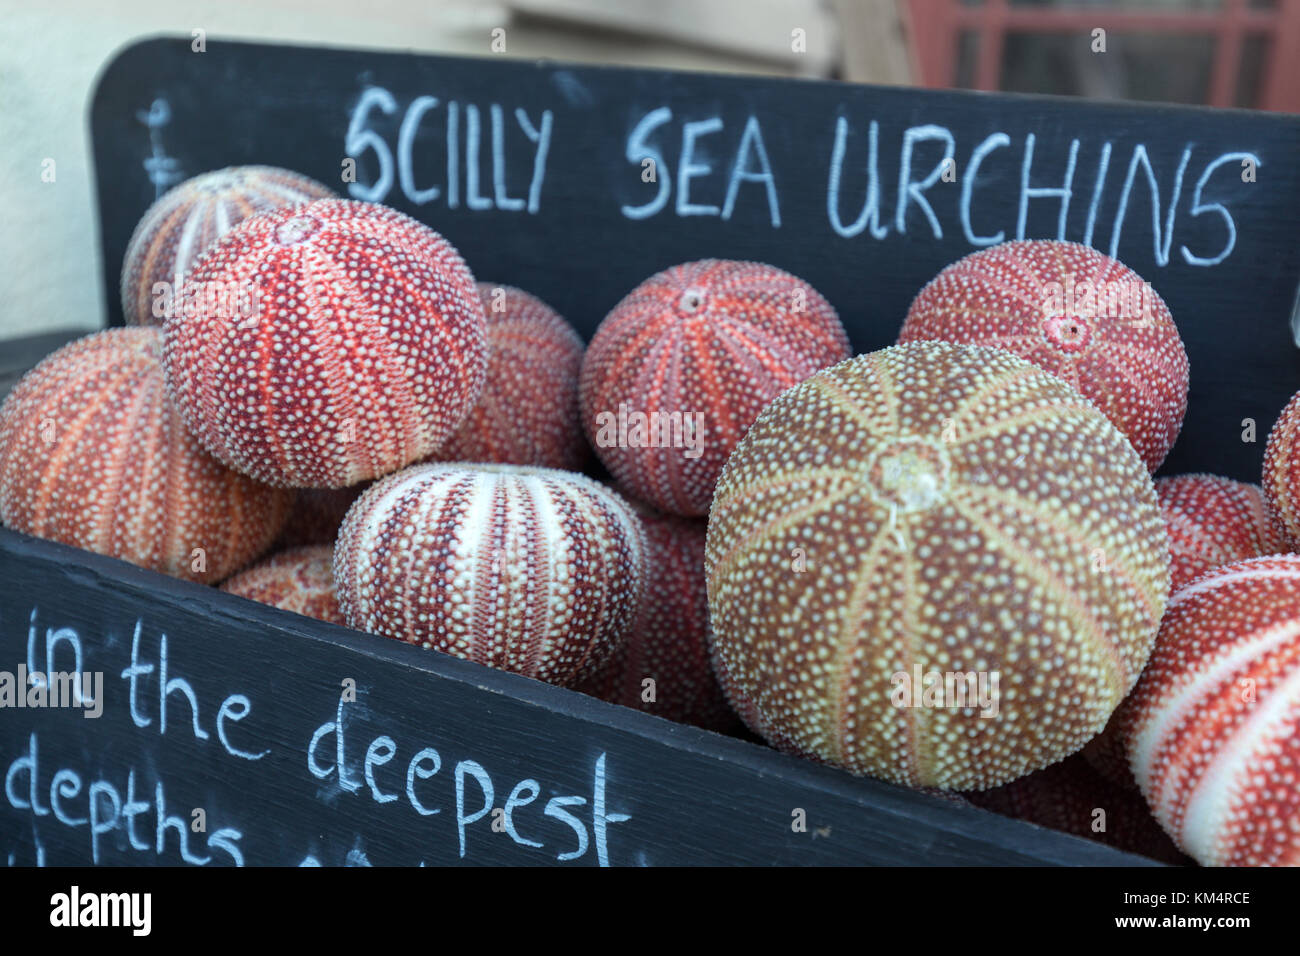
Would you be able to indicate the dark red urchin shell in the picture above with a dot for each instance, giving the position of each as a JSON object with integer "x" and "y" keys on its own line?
{"x": 716, "y": 339}
{"x": 299, "y": 580}
{"x": 94, "y": 455}
{"x": 366, "y": 345}
{"x": 1119, "y": 348}
{"x": 527, "y": 413}
{"x": 317, "y": 515}
{"x": 1213, "y": 726}
{"x": 529, "y": 570}
{"x": 1282, "y": 471}
{"x": 186, "y": 220}
{"x": 1214, "y": 521}
{"x": 1068, "y": 795}
{"x": 669, "y": 642}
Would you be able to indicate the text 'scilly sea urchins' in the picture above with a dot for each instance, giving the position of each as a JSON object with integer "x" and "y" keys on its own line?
{"x": 927, "y": 510}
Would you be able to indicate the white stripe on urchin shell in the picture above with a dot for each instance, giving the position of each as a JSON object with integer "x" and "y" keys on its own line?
{"x": 529, "y": 570}
{"x": 186, "y": 220}
{"x": 1218, "y": 759}
{"x": 976, "y": 551}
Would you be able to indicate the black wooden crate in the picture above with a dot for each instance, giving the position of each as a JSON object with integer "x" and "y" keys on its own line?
{"x": 620, "y": 786}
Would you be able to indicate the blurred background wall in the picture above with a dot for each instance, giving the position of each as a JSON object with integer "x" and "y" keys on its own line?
{"x": 1224, "y": 52}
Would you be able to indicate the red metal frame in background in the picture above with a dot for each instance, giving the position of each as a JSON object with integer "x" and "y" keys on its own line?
{"x": 936, "y": 25}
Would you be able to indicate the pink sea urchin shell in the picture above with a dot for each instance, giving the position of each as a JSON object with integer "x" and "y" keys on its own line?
{"x": 299, "y": 580}
{"x": 529, "y": 570}
{"x": 186, "y": 220}
{"x": 1214, "y": 724}
{"x": 703, "y": 346}
{"x": 93, "y": 454}
{"x": 668, "y": 645}
{"x": 527, "y": 413}
{"x": 943, "y": 507}
{"x": 1076, "y": 313}
{"x": 1282, "y": 470}
{"x": 364, "y": 348}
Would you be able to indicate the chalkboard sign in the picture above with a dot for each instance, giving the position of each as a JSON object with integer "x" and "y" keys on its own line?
{"x": 212, "y": 730}
{"x": 576, "y": 183}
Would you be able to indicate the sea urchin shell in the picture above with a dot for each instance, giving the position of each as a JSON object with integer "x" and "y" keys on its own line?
{"x": 924, "y": 511}
{"x": 1076, "y": 313}
{"x": 299, "y": 580}
{"x": 681, "y": 367}
{"x": 529, "y": 570}
{"x": 94, "y": 455}
{"x": 1214, "y": 723}
{"x": 362, "y": 346}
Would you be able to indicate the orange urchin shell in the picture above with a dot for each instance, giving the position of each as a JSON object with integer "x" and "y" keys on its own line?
{"x": 943, "y": 506}
{"x": 1068, "y": 796}
{"x": 527, "y": 413}
{"x": 93, "y": 454}
{"x": 364, "y": 349}
{"x": 705, "y": 344}
{"x": 669, "y": 643}
{"x": 186, "y": 220}
{"x": 1282, "y": 470}
{"x": 1213, "y": 733}
{"x": 1118, "y": 345}
{"x": 1213, "y": 521}
{"x": 529, "y": 570}
{"x": 299, "y": 580}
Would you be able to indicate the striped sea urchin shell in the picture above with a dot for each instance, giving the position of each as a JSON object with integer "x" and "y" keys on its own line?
{"x": 1213, "y": 521}
{"x": 1117, "y": 345}
{"x": 529, "y": 570}
{"x": 669, "y": 642}
{"x": 943, "y": 507}
{"x": 1214, "y": 734}
{"x": 299, "y": 580}
{"x": 93, "y": 454}
{"x": 706, "y": 343}
{"x": 186, "y": 220}
{"x": 1282, "y": 471}
{"x": 365, "y": 347}
{"x": 527, "y": 413}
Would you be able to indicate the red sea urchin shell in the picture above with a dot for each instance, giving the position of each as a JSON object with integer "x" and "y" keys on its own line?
{"x": 299, "y": 580}
{"x": 529, "y": 570}
{"x": 93, "y": 454}
{"x": 527, "y": 413}
{"x": 365, "y": 348}
{"x": 704, "y": 344}
{"x": 942, "y": 507}
{"x": 1282, "y": 470}
{"x": 1077, "y": 313}
{"x": 669, "y": 643}
{"x": 189, "y": 218}
{"x": 1214, "y": 521}
{"x": 1068, "y": 795}
{"x": 1214, "y": 734}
